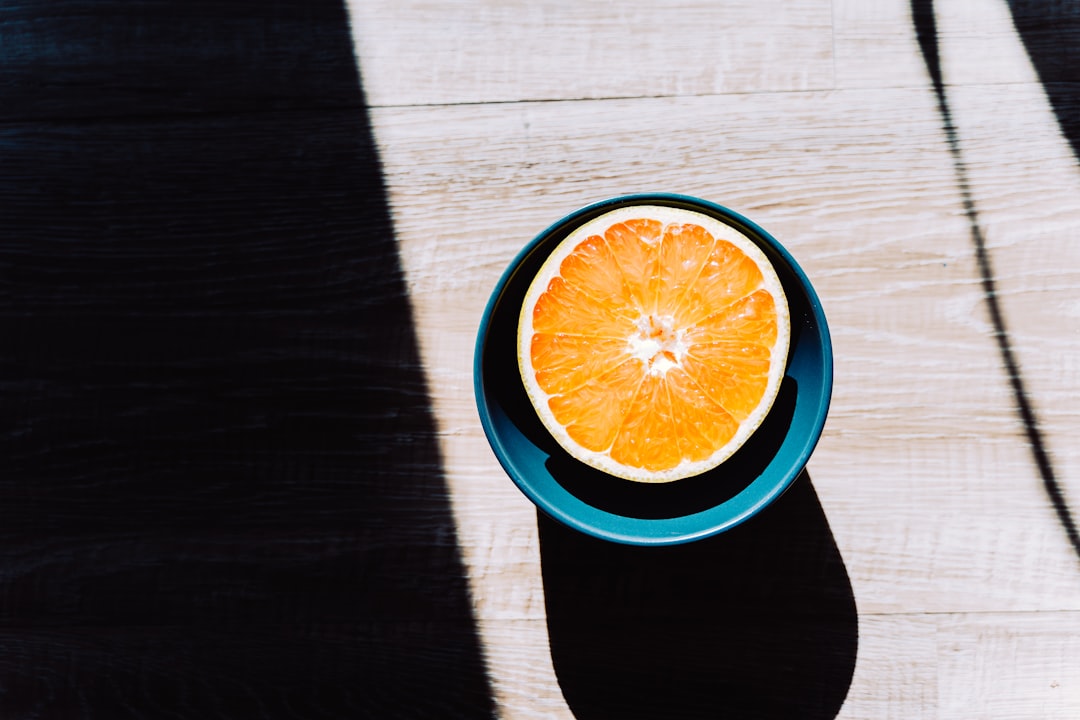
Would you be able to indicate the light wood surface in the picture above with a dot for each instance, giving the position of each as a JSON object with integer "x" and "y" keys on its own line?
{"x": 818, "y": 119}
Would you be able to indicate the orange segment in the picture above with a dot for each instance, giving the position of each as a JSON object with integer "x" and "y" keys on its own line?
{"x": 564, "y": 362}
{"x": 648, "y": 437}
{"x": 751, "y": 319}
{"x": 635, "y": 244}
{"x": 684, "y": 252}
{"x": 704, "y": 424}
{"x": 652, "y": 342}
{"x": 728, "y": 275}
{"x": 732, "y": 375}
{"x": 594, "y": 269}
{"x": 566, "y": 308}
{"x": 593, "y": 413}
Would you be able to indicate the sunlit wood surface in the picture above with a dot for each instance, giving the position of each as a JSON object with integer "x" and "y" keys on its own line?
{"x": 818, "y": 119}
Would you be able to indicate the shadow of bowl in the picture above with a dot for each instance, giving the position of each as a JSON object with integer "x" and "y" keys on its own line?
{"x": 758, "y": 622}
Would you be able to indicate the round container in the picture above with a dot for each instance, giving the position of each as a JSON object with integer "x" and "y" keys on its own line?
{"x": 640, "y": 513}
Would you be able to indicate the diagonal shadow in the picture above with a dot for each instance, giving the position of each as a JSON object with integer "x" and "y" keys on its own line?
{"x": 922, "y": 12}
{"x": 757, "y": 622}
{"x": 1050, "y": 32}
{"x": 221, "y": 493}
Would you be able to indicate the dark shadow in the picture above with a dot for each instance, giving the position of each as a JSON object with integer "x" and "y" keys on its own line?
{"x": 1050, "y": 31}
{"x": 1026, "y": 14}
{"x": 221, "y": 493}
{"x": 758, "y": 622}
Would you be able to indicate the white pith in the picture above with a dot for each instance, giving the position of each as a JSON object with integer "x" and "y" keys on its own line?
{"x": 658, "y": 343}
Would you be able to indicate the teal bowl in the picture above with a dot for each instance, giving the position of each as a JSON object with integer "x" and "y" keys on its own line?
{"x": 633, "y": 513}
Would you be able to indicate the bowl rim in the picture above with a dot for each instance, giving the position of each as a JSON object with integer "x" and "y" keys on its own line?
{"x": 668, "y": 530}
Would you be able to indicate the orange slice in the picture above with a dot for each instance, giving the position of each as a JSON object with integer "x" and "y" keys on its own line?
{"x": 653, "y": 341}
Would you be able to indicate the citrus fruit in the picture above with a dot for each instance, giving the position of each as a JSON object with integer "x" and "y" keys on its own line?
{"x": 652, "y": 342}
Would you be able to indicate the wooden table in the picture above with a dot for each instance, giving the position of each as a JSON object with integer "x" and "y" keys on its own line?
{"x": 246, "y": 475}
{"x": 820, "y": 121}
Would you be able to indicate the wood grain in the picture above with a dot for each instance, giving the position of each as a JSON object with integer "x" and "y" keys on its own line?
{"x": 84, "y": 58}
{"x": 1043, "y": 658}
{"x": 420, "y": 53}
{"x": 924, "y": 472}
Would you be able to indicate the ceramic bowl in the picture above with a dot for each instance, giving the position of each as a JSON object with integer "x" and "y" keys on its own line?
{"x": 652, "y": 514}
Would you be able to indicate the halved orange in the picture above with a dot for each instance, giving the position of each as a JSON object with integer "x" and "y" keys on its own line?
{"x": 653, "y": 341}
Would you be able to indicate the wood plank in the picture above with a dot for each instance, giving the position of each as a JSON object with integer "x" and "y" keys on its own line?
{"x": 1030, "y": 224}
{"x": 979, "y": 44}
{"x": 896, "y": 675}
{"x": 926, "y": 479}
{"x": 938, "y": 667}
{"x": 923, "y": 471}
{"x": 85, "y": 58}
{"x": 876, "y": 45}
{"x": 1018, "y": 666}
{"x": 522, "y": 678}
{"x": 952, "y": 666}
{"x": 222, "y": 488}
{"x": 419, "y": 53}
